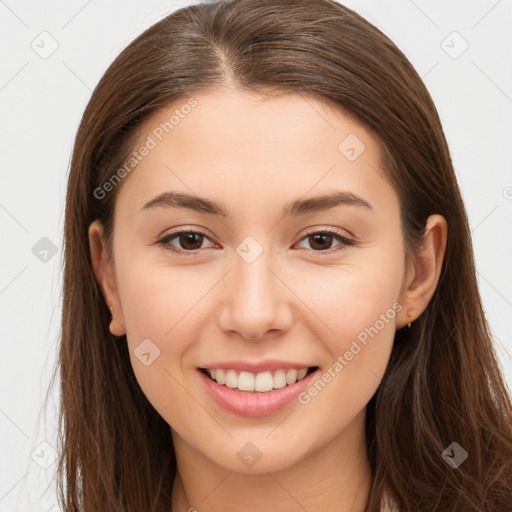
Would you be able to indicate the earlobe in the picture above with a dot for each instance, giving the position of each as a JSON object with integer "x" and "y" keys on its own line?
{"x": 105, "y": 275}
{"x": 115, "y": 327}
{"x": 424, "y": 278}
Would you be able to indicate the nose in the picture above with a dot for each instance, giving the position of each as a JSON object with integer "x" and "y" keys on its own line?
{"x": 255, "y": 300}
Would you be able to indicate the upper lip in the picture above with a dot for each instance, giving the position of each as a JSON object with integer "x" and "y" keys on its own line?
{"x": 257, "y": 367}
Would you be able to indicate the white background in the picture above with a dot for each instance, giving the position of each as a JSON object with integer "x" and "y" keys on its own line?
{"x": 42, "y": 100}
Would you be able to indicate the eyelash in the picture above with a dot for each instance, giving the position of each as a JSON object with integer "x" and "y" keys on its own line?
{"x": 165, "y": 241}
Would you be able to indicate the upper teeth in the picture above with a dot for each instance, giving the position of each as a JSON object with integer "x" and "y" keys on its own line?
{"x": 265, "y": 381}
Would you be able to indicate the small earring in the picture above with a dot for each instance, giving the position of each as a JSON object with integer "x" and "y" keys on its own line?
{"x": 409, "y": 325}
{"x": 111, "y": 312}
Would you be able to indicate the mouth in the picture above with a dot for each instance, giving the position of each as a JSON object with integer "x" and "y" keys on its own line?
{"x": 262, "y": 382}
{"x": 256, "y": 395}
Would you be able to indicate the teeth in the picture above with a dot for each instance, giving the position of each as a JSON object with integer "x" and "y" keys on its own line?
{"x": 280, "y": 379}
{"x": 261, "y": 382}
{"x": 291, "y": 377}
{"x": 246, "y": 381}
{"x": 231, "y": 379}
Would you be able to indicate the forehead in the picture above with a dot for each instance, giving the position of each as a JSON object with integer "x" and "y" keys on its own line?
{"x": 245, "y": 143}
{"x": 272, "y": 123}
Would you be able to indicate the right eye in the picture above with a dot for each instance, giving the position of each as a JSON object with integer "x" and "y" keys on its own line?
{"x": 190, "y": 240}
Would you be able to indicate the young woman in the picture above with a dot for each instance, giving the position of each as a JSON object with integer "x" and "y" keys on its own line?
{"x": 270, "y": 299}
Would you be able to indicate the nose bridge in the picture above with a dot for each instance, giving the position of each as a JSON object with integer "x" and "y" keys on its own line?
{"x": 253, "y": 279}
{"x": 254, "y": 299}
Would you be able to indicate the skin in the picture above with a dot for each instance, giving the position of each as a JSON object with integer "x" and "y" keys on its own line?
{"x": 291, "y": 303}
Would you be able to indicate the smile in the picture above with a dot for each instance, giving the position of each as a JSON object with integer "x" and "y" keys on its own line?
{"x": 257, "y": 382}
{"x": 254, "y": 394}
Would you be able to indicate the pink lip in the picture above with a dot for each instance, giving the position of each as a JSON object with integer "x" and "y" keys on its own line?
{"x": 269, "y": 364}
{"x": 252, "y": 403}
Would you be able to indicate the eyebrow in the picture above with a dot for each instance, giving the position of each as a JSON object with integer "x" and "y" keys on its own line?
{"x": 292, "y": 208}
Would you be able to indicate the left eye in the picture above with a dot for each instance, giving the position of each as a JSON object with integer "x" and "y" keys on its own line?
{"x": 191, "y": 241}
{"x": 326, "y": 237}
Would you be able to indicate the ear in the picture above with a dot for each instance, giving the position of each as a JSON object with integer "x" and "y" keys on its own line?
{"x": 104, "y": 270}
{"x": 424, "y": 272}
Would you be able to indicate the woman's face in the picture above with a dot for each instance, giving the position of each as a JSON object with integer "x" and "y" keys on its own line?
{"x": 261, "y": 285}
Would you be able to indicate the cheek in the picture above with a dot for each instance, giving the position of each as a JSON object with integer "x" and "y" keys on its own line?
{"x": 357, "y": 309}
{"x": 159, "y": 317}
{"x": 360, "y": 313}
{"x": 161, "y": 306}
{"x": 158, "y": 309}
{"x": 155, "y": 296}
{"x": 349, "y": 299}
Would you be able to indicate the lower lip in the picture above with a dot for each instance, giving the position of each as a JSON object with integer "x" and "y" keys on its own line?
{"x": 253, "y": 403}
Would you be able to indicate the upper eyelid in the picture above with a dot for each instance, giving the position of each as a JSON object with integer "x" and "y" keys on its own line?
{"x": 313, "y": 230}
{"x": 205, "y": 231}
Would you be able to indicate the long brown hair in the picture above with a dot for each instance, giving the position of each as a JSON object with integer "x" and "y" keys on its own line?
{"x": 443, "y": 382}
